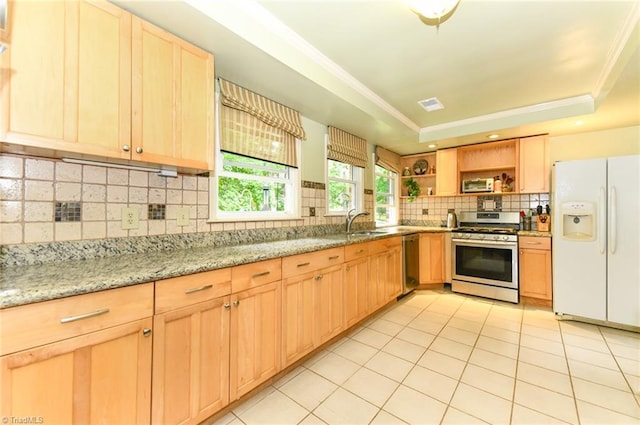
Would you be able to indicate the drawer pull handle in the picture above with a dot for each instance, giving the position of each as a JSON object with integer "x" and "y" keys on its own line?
{"x": 84, "y": 316}
{"x": 260, "y": 274}
{"x": 333, "y": 257}
{"x": 303, "y": 264}
{"x": 534, "y": 243}
{"x": 360, "y": 251}
{"x": 318, "y": 277}
{"x": 146, "y": 332}
{"x": 198, "y": 289}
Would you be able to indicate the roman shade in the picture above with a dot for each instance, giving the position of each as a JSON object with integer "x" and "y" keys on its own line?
{"x": 347, "y": 148}
{"x": 388, "y": 159}
{"x": 255, "y": 126}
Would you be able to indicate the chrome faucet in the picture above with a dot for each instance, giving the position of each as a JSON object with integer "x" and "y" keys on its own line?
{"x": 350, "y": 217}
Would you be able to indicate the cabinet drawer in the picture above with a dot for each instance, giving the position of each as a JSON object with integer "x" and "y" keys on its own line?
{"x": 303, "y": 263}
{"x": 384, "y": 245}
{"x": 37, "y": 324}
{"x": 194, "y": 288}
{"x": 255, "y": 274}
{"x": 533, "y": 242}
{"x": 351, "y": 252}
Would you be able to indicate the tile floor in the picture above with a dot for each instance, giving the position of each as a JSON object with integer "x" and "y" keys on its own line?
{"x": 443, "y": 358}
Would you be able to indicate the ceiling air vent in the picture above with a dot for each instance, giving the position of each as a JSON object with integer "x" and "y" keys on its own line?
{"x": 431, "y": 104}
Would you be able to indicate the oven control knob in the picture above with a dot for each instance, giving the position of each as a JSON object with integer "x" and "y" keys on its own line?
{"x": 496, "y": 237}
{"x": 505, "y": 238}
{"x": 481, "y": 237}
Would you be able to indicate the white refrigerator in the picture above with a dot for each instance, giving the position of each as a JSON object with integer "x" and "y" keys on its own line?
{"x": 596, "y": 239}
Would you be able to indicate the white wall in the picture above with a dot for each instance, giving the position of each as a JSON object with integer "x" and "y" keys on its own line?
{"x": 598, "y": 144}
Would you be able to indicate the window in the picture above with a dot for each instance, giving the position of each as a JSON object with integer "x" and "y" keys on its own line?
{"x": 254, "y": 189}
{"x": 344, "y": 183}
{"x": 385, "y": 195}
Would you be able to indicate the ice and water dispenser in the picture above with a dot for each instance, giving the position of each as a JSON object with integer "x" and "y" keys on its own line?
{"x": 578, "y": 220}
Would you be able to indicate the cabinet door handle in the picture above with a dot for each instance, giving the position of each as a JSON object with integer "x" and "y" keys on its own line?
{"x": 84, "y": 315}
{"x": 146, "y": 332}
{"x": 138, "y": 149}
{"x": 333, "y": 257}
{"x": 303, "y": 264}
{"x": 126, "y": 148}
{"x": 260, "y": 274}
{"x": 227, "y": 306}
{"x": 198, "y": 289}
{"x": 236, "y": 303}
{"x": 318, "y": 277}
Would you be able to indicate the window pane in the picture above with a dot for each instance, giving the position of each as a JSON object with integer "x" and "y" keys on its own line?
{"x": 382, "y": 170}
{"x": 236, "y": 194}
{"x": 241, "y": 164}
{"x": 382, "y": 214}
{"x": 340, "y": 170}
{"x": 341, "y": 196}
{"x": 383, "y": 184}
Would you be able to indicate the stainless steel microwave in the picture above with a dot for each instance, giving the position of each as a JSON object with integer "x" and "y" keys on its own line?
{"x": 477, "y": 185}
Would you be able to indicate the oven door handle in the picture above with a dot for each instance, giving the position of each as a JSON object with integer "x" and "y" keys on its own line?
{"x": 483, "y": 243}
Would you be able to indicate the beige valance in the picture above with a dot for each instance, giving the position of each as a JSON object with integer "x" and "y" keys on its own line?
{"x": 347, "y": 148}
{"x": 388, "y": 159}
{"x": 244, "y": 134}
{"x": 272, "y": 113}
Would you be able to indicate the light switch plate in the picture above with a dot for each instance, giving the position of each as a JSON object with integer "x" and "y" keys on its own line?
{"x": 130, "y": 218}
{"x": 183, "y": 216}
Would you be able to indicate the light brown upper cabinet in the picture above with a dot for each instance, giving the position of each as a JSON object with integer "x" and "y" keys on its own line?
{"x": 487, "y": 160}
{"x": 534, "y": 164}
{"x": 447, "y": 172}
{"x": 173, "y": 99}
{"x": 67, "y": 78}
{"x": 88, "y": 78}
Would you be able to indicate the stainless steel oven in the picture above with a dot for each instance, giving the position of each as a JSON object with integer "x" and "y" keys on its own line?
{"x": 485, "y": 256}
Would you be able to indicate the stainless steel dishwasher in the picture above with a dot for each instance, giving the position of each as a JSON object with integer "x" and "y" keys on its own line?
{"x": 410, "y": 262}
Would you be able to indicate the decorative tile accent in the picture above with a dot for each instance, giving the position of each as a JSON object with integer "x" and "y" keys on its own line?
{"x": 313, "y": 185}
{"x": 68, "y": 211}
{"x": 496, "y": 201}
{"x": 157, "y": 211}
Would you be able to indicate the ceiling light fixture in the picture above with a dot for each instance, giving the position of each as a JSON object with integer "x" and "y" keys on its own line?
{"x": 433, "y": 10}
{"x": 432, "y": 145}
{"x": 579, "y": 123}
{"x": 493, "y": 136}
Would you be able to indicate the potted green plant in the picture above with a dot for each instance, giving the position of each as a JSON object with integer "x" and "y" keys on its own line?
{"x": 413, "y": 189}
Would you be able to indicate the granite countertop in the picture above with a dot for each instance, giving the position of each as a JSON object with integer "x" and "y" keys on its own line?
{"x": 21, "y": 285}
{"x": 534, "y": 233}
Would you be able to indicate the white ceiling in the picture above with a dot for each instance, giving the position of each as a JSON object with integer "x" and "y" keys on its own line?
{"x": 510, "y": 67}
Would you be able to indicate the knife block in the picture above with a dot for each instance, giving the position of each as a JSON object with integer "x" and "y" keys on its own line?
{"x": 543, "y": 222}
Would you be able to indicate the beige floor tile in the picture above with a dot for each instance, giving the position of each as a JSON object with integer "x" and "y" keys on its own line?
{"x": 434, "y": 317}
{"x": 390, "y": 366}
{"x": 430, "y": 383}
{"x": 459, "y": 335}
{"x": 342, "y": 407}
{"x": 425, "y": 325}
{"x": 276, "y": 408}
{"x": 542, "y": 359}
{"x": 545, "y": 378}
{"x": 404, "y": 350}
{"x": 549, "y": 323}
{"x": 586, "y": 330}
{"x": 228, "y": 419}
{"x": 312, "y": 419}
{"x": 462, "y": 321}
{"x": 497, "y": 346}
{"x": 371, "y": 386}
{"x": 505, "y": 313}
{"x": 456, "y": 417}
{"x": 371, "y": 337}
{"x": 315, "y": 358}
{"x": 399, "y": 317}
{"x": 541, "y": 344}
{"x": 501, "y": 334}
{"x": 492, "y": 361}
{"x": 585, "y": 342}
{"x": 481, "y": 404}
{"x": 385, "y": 418}
{"x": 596, "y": 415}
{"x": 308, "y": 389}
{"x": 544, "y": 333}
{"x": 545, "y": 401}
{"x": 386, "y": 327}
{"x": 442, "y": 363}
{"x": 592, "y": 357}
{"x": 414, "y": 407}
{"x": 600, "y": 375}
{"x": 524, "y": 416}
{"x": 442, "y": 308}
{"x": 634, "y": 383}
{"x": 290, "y": 375}
{"x": 253, "y": 400}
{"x": 335, "y": 368}
{"x": 419, "y": 299}
{"x": 356, "y": 351}
{"x": 610, "y": 398}
{"x": 451, "y": 348}
{"x": 501, "y": 323}
{"x": 618, "y": 336}
{"x": 489, "y": 381}
{"x": 415, "y": 336}
{"x": 629, "y": 366}
{"x": 626, "y": 351}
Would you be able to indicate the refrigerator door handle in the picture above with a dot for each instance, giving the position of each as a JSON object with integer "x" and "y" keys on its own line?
{"x": 601, "y": 220}
{"x": 613, "y": 225}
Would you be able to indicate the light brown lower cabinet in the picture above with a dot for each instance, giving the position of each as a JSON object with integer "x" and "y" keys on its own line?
{"x": 385, "y": 272}
{"x": 100, "y": 375}
{"x": 356, "y": 282}
{"x": 534, "y": 262}
{"x": 432, "y": 269}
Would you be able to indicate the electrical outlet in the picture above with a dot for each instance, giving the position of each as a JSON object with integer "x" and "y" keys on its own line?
{"x": 183, "y": 216}
{"x": 130, "y": 218}
{"x": 312, "y": 211}
{"x": 425, "y": 211}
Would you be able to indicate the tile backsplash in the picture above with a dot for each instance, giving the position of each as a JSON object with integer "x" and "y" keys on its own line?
{"x": 48, "y": 200}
